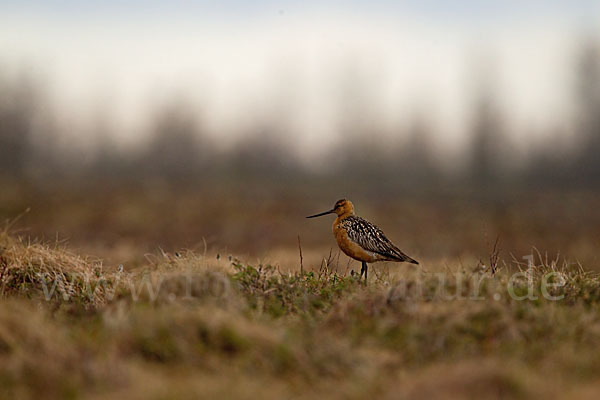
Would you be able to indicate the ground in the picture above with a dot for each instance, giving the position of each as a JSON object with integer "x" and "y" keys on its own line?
{"x": 112, "y": 313}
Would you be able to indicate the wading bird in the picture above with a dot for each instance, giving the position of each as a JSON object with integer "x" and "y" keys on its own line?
{"x": 360, "y": 239}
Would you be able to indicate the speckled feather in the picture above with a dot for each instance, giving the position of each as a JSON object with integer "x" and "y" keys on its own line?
{"x": 371, "y": 238}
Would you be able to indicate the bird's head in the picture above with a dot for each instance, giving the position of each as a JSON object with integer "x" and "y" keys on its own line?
{"x": 341, "y": 207}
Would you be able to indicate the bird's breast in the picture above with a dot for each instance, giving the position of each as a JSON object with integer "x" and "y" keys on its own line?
{"x": 348, "y": 246}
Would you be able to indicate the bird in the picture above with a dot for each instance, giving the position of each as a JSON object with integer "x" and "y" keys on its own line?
{"x": 361, "y": 240}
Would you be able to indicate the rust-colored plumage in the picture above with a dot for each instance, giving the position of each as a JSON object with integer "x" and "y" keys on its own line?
{"x": 360, "y": 239}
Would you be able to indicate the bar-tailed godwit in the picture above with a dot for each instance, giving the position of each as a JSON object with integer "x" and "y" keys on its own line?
{"x": 360, "y": 239}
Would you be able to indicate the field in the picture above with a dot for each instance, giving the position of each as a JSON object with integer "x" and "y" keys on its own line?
{"x": 228, "y": 292}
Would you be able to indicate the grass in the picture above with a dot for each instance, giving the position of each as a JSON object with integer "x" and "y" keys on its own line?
{"x": 185, "y": 326}
{"x": 120, "y": 223}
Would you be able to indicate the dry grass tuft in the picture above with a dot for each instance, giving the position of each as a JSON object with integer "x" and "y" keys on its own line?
{"x": 36, "y": 271}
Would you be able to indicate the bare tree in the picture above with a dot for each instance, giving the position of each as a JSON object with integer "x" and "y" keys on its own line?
{"x": 17, "y": 113}
{"x": 588, "y": 93}
{"x": 488, "y": 142}
{"x": 418, "y": 164}
{"x": 175, "y": 149}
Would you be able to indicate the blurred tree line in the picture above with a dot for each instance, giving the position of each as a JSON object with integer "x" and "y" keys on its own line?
{"x": 179, "y": 150}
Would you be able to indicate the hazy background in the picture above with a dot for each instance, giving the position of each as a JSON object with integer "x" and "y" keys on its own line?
{"x": 160, "y": 123}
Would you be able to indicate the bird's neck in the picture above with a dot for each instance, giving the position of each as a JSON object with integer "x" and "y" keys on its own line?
{"x": 338, "y": 221}
{"x": 344, "y": 216}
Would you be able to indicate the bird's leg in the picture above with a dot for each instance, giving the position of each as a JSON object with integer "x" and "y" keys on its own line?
{"x": 364, "y": 270}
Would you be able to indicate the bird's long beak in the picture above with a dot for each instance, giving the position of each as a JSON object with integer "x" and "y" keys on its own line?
{"x": 323, "y": 213}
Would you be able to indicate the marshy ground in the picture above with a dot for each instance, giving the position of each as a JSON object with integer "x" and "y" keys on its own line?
{"x": 137, "y": 305}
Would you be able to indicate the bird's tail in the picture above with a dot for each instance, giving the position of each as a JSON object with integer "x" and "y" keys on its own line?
{"x": 398, "y": 255}
{"x": 411, "y": 260}
{"x": 404, "y": 258}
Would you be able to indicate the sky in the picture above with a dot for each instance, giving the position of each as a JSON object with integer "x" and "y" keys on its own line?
{"x": 300, "y": 65}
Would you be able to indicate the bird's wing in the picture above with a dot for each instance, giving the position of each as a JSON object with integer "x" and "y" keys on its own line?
{"x": 371, "y": 238}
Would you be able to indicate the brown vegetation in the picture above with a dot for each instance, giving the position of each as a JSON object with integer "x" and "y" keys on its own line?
{"x": 188, "y": 326}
